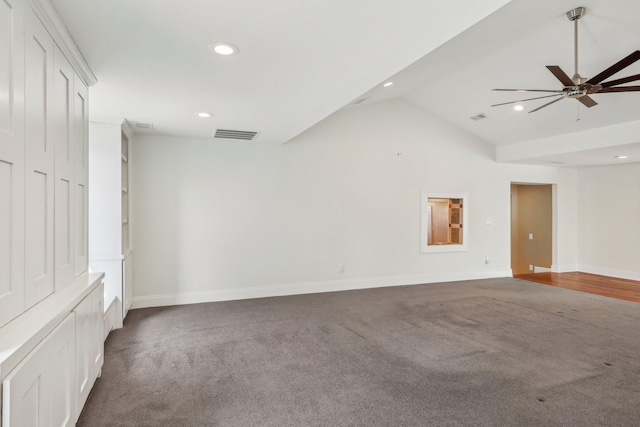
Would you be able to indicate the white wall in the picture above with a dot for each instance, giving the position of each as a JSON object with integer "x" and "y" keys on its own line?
{"x": 217, "y": 220}
{"x": 609, "y": 225}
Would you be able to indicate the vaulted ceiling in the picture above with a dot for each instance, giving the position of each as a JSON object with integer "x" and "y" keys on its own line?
{"x": 301, "y": 61}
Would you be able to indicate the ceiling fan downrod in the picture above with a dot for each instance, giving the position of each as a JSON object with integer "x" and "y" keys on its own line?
{"x": 574, "y": 15}
{"x": 581, "y": 88}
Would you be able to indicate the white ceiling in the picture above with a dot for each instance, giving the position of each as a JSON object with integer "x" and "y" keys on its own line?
{"x": 301, "y": 61}
{"x": 510, "y": 49}
{"x": 594, "y": 157}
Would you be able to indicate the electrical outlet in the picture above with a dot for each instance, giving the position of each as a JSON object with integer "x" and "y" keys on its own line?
{"x": 340, "y": 268}
{"x": 530, "y": 267}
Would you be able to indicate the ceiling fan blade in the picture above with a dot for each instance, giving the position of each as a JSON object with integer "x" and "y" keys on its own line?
{"x": 587, "y": 101}
{"x": 623, "y": 63}
{"x": 528, "y": 99}
{"x": 621, "y": 81}
{"x": 560, "y": 75}
{"x": 620, "y": 89}
{"x": 529, "y": 90}
{"x": 546, "y": 105}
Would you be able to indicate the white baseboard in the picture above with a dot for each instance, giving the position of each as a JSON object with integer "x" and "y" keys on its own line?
{"x": 309, "y": 288}
{"x": 564, "y": 268}
{"x": 611, "y": 272}
{"x": 537, "y": 269}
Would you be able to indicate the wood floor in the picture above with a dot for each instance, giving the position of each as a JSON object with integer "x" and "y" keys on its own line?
{"x": 591, "y": 283}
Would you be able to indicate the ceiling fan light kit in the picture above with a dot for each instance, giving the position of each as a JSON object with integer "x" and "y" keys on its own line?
{"x": 578, "y": 87}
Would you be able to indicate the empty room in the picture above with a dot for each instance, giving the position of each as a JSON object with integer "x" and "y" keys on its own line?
{"x": 321, "y": 213}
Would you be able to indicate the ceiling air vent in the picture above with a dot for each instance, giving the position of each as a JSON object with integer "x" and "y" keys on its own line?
{"x": 140, "y": 125}
{"x": 479, "y": 116}
{"x": 235, "y": 134}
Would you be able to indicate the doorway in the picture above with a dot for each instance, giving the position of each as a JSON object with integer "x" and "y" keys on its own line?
{"x": 531, "y": 228}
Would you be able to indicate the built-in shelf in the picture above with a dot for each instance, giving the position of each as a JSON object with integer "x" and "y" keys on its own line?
{"x": 111, "y": 225}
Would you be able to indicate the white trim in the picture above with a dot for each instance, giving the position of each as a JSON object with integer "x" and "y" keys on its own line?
{"x": 564, "y": 268}
{"x": 107, "y": 258}
{"x": 537, "y": 269}
{"x": 611, "y": 272}
{"x": 309, "y": 288}
{"x": 128, "y": 131}
{"x": 106, "y": 120}
{"x": 118, "y": 121}
{"x": 425, "y": 225}
{"x": 47, "y": 14}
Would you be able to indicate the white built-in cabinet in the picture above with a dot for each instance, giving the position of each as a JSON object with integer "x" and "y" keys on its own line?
{"x": 110, "y": 248}
{"x": 51, "y": 308}
{"x": 50, "y": 383}
{"x": 43, "y": 160}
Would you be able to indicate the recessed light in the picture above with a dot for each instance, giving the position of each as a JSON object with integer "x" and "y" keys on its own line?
{"x": 622, "y": 157}
{"x": 518, "y": 108}
{"x": 387, "y": 84}
{"x": 204, "y": 115}
{"x": 224, "y": 49}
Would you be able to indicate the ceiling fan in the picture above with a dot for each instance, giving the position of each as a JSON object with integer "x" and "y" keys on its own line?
{"x": 579, "y": 87}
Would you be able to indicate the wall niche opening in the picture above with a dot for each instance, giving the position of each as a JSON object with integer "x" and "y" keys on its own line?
{"x": 444, "y": 222}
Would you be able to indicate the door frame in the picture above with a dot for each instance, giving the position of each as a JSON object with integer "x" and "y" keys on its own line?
{"x": 554, "y": 222}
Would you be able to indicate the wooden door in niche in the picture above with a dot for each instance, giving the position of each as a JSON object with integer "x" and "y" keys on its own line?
{"x": 455, "y": 221}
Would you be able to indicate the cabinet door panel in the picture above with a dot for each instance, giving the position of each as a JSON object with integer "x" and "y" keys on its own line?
{"x": 39, "y": 162}
{"x": 60, "y": 378}
{"x": 81, "y": 160}
{"x": 97, "y": 331}
{"x": 24, "y": 395}
{"x": 39, "y": 391}
{"x": 11, "y": 160}
{"x": 11, "y": 66}
{"x": 89, "y": 343}
{"x": 62, "y": 121}
{"x": 83, "y": 352}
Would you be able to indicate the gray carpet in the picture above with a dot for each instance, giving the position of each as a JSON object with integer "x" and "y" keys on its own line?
{"x": 499, "y": 352}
